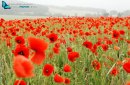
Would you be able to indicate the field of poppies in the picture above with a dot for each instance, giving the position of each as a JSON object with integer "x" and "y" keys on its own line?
{"x": 65, "y": 51}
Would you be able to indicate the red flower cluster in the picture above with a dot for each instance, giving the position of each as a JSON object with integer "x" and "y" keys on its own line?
{"x": 59, "y": 79}
{"x": 72, "y": 56}
{"x": 88, "y": 44}
{"x": 104, "y": 47}
{"x": 96, "y": 65}
{"x": 104, "y": 32}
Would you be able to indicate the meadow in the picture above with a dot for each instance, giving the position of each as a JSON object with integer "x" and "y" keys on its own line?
{"x": 65, "y": 51}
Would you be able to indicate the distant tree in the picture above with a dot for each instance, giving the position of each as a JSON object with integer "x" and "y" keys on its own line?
{"x": 119, "y": 14}
{"x": 58, "y": 15}
{"x": 75, "y": 14}
{"x": 106, "y": 14}
{"x": 113, "y": 13}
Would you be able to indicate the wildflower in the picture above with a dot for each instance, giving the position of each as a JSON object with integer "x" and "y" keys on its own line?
{"x": 19, "y": 40}
{"x": 48, "y": 69}
{"x": 128, "y": 52}
{"x": 122, "y": 32}
{"x": 116, "y": 34}
{"x": 127, "y": 83}
{"x": 20, "y": 82}
{"x": 67, "y": 81}
{"x": 104, "y": 47}
{"x": 67, "y": 68}
{"x": 116, "y": 48}
{"x": 37, "y": 44}
{"x": 21, "y": 50}
{"x": 114, "y": 71}
{"x": 72, "y": 56}
{"x": 57, "y": 45}
{"x": 69, "y": 49}
{"x": 52, "y": 37}
{"x": 56, "y": 50}
{"x": 96, "y": 65}
{"x": 23, "y": 68}
{"x": 38, "y": 58}
{"x": 126, "y": 66}
{"x": 88, "y": 44}
{"x": 58, "y": 78}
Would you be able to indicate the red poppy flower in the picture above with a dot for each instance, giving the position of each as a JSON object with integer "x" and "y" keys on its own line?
{"x": 110, "y": 58}
{"x": 52, "y": 37}
{"x": 94, "y": 49}
{"x": 48, "y": 69}
{"x": 109, "y": 42}
{"x": 19, "y": 40}
{"x": 13, "y": 33}
{"x": 21, "y": 50}
{"x": 96, "y": 65}
{"x": 38, "y": 57}
{"x": 126, "y": 66}
{"x": 51, "y": 54}
{"x": 122, "y": 32}
{"x": 116, "y": 34}
{"x": 128, "y": 41}
{"x": 69, "y": 49}
{"x": 116, "y": 48}
{"x": 67, "y": 68}
{"x": 127, "y": 83}
{"x": 56, "y": 50}
{"x": 20, "y": 82}
{"x": 1, "y": 21}
{"x": 67, "y": 81}
{"x": 8, "y": 43}
{"x": 23, "y": 68}
{"x": 37, "y": 44}
{"x": 57, "y": 45}
{"x": 72, "y": 39}
{"x": 88, "y": 44}
{"x": 58, "y": 78}
{"x": 72, "y": 56}
{"x": 128, "y": 52}
{"x": 104, "y": 47}
{"x": 114, "y": 71}
{"x": 87, "y": 33}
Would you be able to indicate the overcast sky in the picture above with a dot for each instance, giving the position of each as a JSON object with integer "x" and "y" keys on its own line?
{"x": 119, "y": 5}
